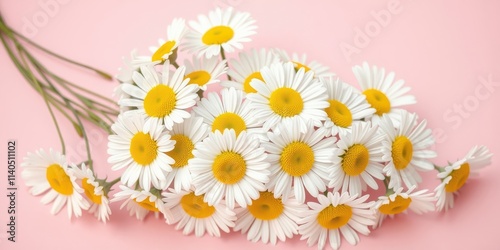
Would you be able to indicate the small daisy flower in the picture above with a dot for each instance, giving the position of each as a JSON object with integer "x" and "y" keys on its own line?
{"x": 335, "y": 214}
{"x": 269, "y": 218}
{"x": 229, "y": 167}
{"x": 298, "y": 160}
{"x": 48, "y": 172}
{"x": 382, "y": 93}
{"x": 357, "y": 161}
{"x": 318, "y": 69}
{"x": 192, "y": 213}
{"x": 94, "y": 191}
{"x": 140, "y": 203}
{"x": 248, "y": 67}
{"x": 454, "y": 176}
{"x": 399, "y": 202}
{"x": 203, "y": 71}
{"x": 405, "y": 149}
{"x": 285, "y": 94}
{"x": 141, "y": 150}
{"x": 221, "y": 30}
{"x": 160, "y": 99}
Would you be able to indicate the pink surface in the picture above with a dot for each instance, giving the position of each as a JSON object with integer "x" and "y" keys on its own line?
{"x": 441, "y": 48}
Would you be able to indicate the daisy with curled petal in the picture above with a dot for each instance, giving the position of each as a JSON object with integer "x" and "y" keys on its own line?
{"x": 405, "y": 148}
{"x": 221, "y": 30}
{"x": 94, "y": 192}
{"x": 186, "y": 136}
{"x": 160, "y": 99}
{"x": 203, "y": 71}
{"x": 192, "y": 213}
{"x": 48, "y": 172}
{"x": 333, "y": 215}
{"x": 248, "y": 67}
{"x": 141, "y": 150}
{"x": 140, "y": 203}
{"x": 298, "y": 160}
{"x": 382, "y": 93}
{"x": 229, "y": 167}
{"x": 357, "y": 161}
{"x": 318, "y": 69}
{"x": 285, "y": 94}
{"x": 347, "y": 106}
{"x": 269, "y": 218}
{"x": 454, "y": 176}
{"x": 397, "y": 202}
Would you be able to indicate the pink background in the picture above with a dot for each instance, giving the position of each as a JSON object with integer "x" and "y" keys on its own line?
{"x": 441, "y": 49}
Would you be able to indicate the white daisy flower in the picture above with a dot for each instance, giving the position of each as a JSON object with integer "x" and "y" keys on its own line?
{"x": 405, "y": 149}
{"x": 221, "y": 30}
{"x": 318, "y": 69}
{"x": 203, "y": 71}
{"x": 248, "y": 67}
{"x": 285, "y": 94}
{"x": 335, "y": 214}
{"x": 397, "y": 202}
{"x": 298, "y": 160}
{"x": 125, "y": 72}
{"x": 192, "y": 213}
{"x": 231, "y": 167}
{"x": 358, "y": 160}
{"x": 382, "y": 93}
{"x": 141, "y": 150}
{"x": 160, "y": 99}
{"x": 186, "y": 136}
{"x": 454, "y": 176}
{"x": 269, "y": 218}
{"x": 140, "y": 203}
{"x": 347, "y": 106}
{"x": 94, "y": 191}
{"x": 48, "y": 172}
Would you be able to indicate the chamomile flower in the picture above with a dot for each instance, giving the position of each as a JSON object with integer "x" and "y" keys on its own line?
{"x": 399, "y": 202}
{"x": 221, "y": 30}
{"x": 382, "y": 93}
{"x": 405, "y": 149}
{"x": 248, "y": 67}
{"x": 192, "y": 213}
{"x": 203, "y": 71}
{"x": 94, "y": 192}
{"x": 48, "y": 172}
{"x": 357, "y": 161}
{"x": 269, "y": 218}
{"x": 140, "y": 203}
{"x": 298, "y": 160}
{"x": 347, "y": 106}
{"x": 160, "y": 99}
{"x": 333, "y": 215}
{"x": 318, "y": 69}
{"x": 285, "y": 94}
{"x": 454, "y": 176}
{"x": 125, "y": 72}
{"x": 141, "y": 150}
{"x": 229, "y": 167}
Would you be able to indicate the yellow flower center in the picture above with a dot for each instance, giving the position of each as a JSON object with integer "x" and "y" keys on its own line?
{"x": 229, "y": 167}
{"x": 266, "y": 207}
{"x": 246, "y": 84}
{"x": 402, "y": 152}
{"x": 229, "y": 120}
{"x": 195, "y": 207}
{"x": 297, "y": 159}
{"x": 397, "y": 206}
{"x": 59, "y": 180}
{"x": 89, "y": 191}
{"x": 355, "y": 160}
{"x": 166, "y": 48}
{"x": 218, "y": 35}
{"x": 458, "y": 178}
{"x": 182, "y": 152}
{"x": 143, "y": 149}
{"x": 339, "y": 114}
{"x": 286, "y": 102}
{"x": 334, "y": 217}
{"x": 200, "y": 77}
{"x": 146, "y": 204}
{"x": 160, "y": 101}
{"x": 378, "y": 101}
{"x": 298, "y": 65}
